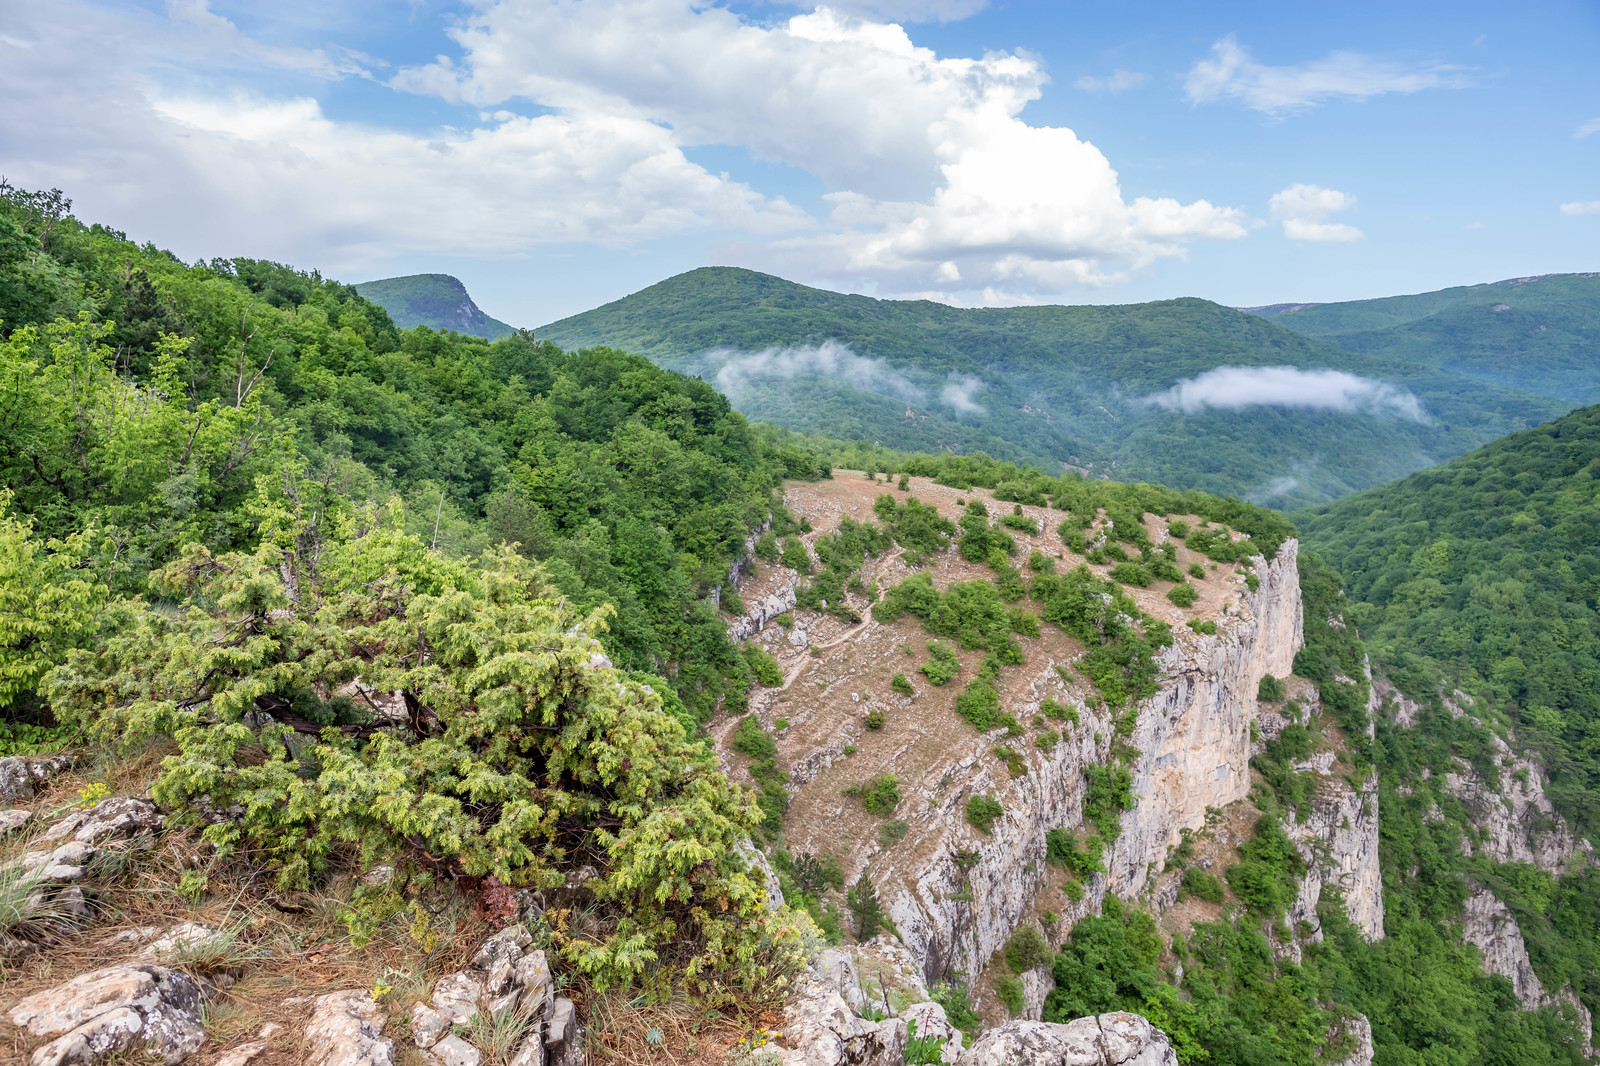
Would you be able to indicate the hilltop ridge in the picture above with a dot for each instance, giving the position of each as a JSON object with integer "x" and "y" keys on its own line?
{"x": 438, "y": 301}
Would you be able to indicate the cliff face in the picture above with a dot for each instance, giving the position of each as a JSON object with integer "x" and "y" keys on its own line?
{"x": 1489, "y": 925}
{"x": 1194, "y": 744}
{"x": 1338, "y": 839}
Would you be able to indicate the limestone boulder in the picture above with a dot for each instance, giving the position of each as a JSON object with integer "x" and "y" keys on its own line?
{"x": 1115, "y": 1039}
{"x": 105, "y": 1011}
{"x": 346, "y": 1029}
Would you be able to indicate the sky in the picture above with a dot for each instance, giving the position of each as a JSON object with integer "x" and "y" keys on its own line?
{"x": 559, "y": 154}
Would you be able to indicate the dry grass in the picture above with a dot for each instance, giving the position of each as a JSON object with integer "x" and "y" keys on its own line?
{"x": 625, "y": 1031}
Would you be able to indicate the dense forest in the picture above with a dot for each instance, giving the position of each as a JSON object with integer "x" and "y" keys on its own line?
{"x": 1052, "y": 384}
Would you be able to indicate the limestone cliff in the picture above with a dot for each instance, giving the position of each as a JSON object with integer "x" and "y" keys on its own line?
{"x": 1194, "y": 744}
{"x": 1489, "y": 925}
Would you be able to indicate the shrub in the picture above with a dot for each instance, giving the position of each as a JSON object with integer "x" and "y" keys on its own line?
{"x": 1047, "y": 740}
{"x": 523, "y": 759}
{"x": 1208, "y": 627}
{"x": 767, "y": 547}
{"x": 874, "y": 719}
{"x": 901, "y": 685}
{"x": 1063, "y": 849}
{"x": 1020, "y": 522}
{"x": 942, "y": 665}
{"x": 795, "y": 556}
{"x": 891, "y": 833}
{"x": 1016, "y": 765}
{"x": 786, "y": 620}
{"x": 879, "y": 796}
{"x": 1197, "y": 571}
{"x": 730, "y": 602}
{"x": 1132, "y": 574}
{"x": 955, "y": 999}
{"x": 1110, "y": 793}
{"x": 1009, "y": 990}
{"x": 1060, "y": 712}
{"x": 1040, "y": 563}
{"x": 1202, "y": 885}
{"x": 1177, "y": 527}
{"x": 1027, "y": 950}
{"x": 1267, "y": 876}
{"x": 982, "y": 812}
{"x": 1271, "y": 690}
{"x": 763, "y": 666}
{"x": 1183, "y": 595}
{"x": 1165, "y": 569}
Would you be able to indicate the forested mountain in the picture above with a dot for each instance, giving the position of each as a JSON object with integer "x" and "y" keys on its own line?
{"x": 1093, "y": 387}
{"x": 437, "y": 301}
{"x": 1539, "y": 335}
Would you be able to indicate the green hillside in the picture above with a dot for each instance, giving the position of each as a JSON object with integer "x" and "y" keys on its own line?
{"x": 1539, "y": 335}
{"x": 1484, "y": 573}
{"x": 1050, "y": 385}
{"x": 437, "y": 301}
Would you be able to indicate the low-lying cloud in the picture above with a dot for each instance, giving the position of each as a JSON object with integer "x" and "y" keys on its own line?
{"x": 960, "y": 392}
{"x": 830, "y": 359}
{"x": 1233, "y": 387}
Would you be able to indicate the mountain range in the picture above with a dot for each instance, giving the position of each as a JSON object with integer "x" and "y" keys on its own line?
{"x": 1290, "y": 404}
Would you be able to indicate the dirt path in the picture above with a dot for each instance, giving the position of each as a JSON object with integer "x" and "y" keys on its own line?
{"x": 806, "y": 658}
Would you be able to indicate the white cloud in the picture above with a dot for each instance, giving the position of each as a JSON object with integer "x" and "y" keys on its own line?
{"x": 1581, "y": 207}
{"x": 934, "y": 182}
{"x": 1233, "y": 387}
{"x": 905, "y": 10}
{"x": 1115, "y": 82}
{"x": 740, "y": 372}
{"x": 1303, "y": 210}
{"x": 1230, "y": 72}
{"x": 1588, "y": 128}
{"x": 960, "y": 394}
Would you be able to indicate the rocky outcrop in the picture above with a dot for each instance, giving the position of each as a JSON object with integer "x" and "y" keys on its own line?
{"x": 24, "y": 778}
{"x": 1489, "y": 925}
{"x": 1194, "y": 743}
{"x": 503, "y": 978}
{"x": 346, "y": 1029}
{"x": 757, "y": 613}
{"x": 1115, "y": 1039}
{"x": 821, "y": 1029}
{"x": 1349, "y": 1043}
{"x": 1338, "y": 839}
{"x": 103, "y": 1012}
{"x": 1519, "y": 822}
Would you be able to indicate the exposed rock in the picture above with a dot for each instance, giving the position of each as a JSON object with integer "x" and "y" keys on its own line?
{"x": 1194, "y": 743}
{"x": 456, "y": 996}
{"x": 104, "y": 1011}
{"x": 563, "y": 1023}
{"x": 427, "y": 1025}
{"x": 14, "y": 819}
{"x": 1521, "y": 823}
{"x": 1037, "y": 985}
{"x": 1349, "y": 1042}
{"x": 1116, "y": 1039}
{"x": 820, "y": 1029}
{"x": 243, "y": 1054}
{"x": 346, "y": 1029}
{"x": 837, "y": 969}
{"x": 1489, "y": 925}
{"x": 1338, "y": 840}
{"x": 887, "y": 969}
{"x": 931, "y": 1021}
{"x": 757, "y": 613}
{"x": 24, "y": 778}
{"x": 454, "y": 1051}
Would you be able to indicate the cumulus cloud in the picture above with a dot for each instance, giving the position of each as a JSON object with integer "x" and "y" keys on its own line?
{"x": 1304, "y": 209}
{"x": 587, "y": 119}
{"x": 741, "y": 371}
{"x": 1587, "y": 128}
{"x": 906, "y": 10}
{"x": 1115, "y": 82}
{"x": 1230, "y": 72}
{"x": 1233, "y": 387}
{"x": 1581, "y": 207}
{"x": 960, "y": 394}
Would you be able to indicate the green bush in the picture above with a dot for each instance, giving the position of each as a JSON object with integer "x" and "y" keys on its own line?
{"x": 867, "y": 909}
{"x": 1040, "y": 563}
{"x": 1165, "y": 570}
{"x": 1207, "y": 626}
{"x": 942, "y": 665}
{"x": 1271, "y": 690}
{"x": 1009, "y": 991}
{"x": 1051, "y": 708}
{"x": 1063, "y": 849}
{"x": 1132, "y": 574}
{"x": 1183, "y": 595}
{"x": 1027, "y": 950}
{"x": 1110, "y": 793}
{"x": 879, "y": 796}
{"x": 982, "y": 812}
{"x": 874, "y": 719}
{"x": 1197, "y": 571}
{"x": 1202, "y": 885}
{"x": 1020, "y": 522}
{"x": 795, "y": 556}
{"x": 767, "y": 547}
{"x": 901, "y": 685}
{"x": 1267, "y": 876}
{"x": 891, "y": 833}
{"x": 1178, "y": 528}
{"x": 763, "y": 666}
{"x": 524, "y": 759}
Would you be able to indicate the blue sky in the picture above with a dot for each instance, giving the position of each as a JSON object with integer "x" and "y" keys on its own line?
{"x": 556, "y": 154}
